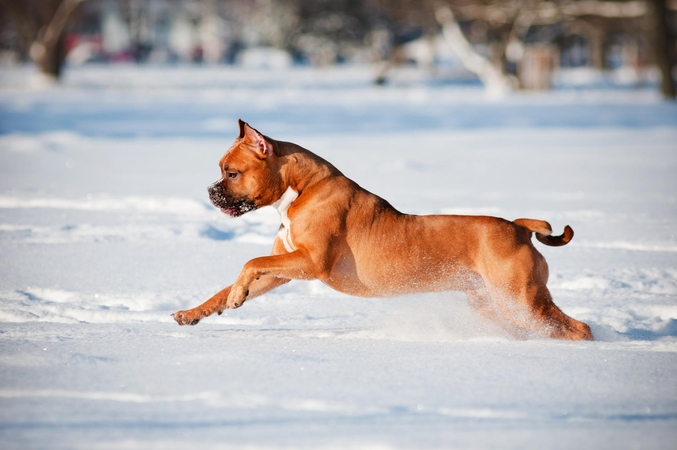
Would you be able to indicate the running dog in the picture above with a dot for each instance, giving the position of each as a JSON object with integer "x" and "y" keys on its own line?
{"x": 357, "y": 243}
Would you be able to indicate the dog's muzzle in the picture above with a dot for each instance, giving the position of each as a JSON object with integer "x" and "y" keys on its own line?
{"x": 226, "y": 203}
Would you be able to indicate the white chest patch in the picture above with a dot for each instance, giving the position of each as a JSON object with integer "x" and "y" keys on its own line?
{"x": 282, "y": 205}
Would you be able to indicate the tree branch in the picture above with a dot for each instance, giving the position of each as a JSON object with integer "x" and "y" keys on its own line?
{"x": 550, "y": 12}
{"x": 606, "y": 9}
{"x": 49, "y": 34}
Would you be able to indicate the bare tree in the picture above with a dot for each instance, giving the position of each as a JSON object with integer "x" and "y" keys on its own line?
{"x": 495, "y": 80}
{"x": 664, "y": 45}
{"x": 330, "y": 30}
{"x": 511, "y": 20}
{"x": 135, "y": 14}
{"x": 41, "y": 27}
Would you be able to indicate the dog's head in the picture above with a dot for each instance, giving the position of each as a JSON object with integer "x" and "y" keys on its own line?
{"x": 250, "y": 175}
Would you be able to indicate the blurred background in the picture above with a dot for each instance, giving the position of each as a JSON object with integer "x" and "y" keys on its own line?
{"x": 505, "y": 45}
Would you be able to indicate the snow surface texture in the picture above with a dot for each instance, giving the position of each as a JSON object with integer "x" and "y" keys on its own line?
{"x": 106, "y": 229}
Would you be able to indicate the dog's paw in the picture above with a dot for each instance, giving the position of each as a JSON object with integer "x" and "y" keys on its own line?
{"x": 236, "y": 297}
{"x": 190, "y": 317}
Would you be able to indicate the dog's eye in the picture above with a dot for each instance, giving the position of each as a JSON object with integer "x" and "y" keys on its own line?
{"x": 232, "y": 175}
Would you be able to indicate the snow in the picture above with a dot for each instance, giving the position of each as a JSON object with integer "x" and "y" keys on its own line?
{"x": 106, "y": 229}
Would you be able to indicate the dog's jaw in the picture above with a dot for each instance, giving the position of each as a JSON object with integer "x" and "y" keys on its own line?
{"x": 239, "y": 209}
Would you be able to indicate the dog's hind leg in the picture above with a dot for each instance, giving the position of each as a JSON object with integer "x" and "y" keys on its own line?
{"x": 518, "y": 291}
{"x": 533, "y": 309}
{"x": 480, "y": 301}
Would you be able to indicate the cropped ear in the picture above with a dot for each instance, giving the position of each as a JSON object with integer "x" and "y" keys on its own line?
{"x": 241, "y": 124}
{"x": 259, "y": 144}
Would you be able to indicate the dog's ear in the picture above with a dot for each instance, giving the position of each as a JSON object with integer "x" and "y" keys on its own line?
{"x": 241, "y": 123}
{"x": 256, "y": 141}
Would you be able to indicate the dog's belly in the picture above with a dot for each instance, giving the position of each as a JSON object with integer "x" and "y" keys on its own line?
{"x": 391, "y": 277}
{"x": 389, "y": 254}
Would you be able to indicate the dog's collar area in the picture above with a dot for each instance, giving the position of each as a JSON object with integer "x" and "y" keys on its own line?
{"x": 282, "y": 205}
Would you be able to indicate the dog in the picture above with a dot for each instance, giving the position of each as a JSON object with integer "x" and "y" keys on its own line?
{"x": 355, "y": 242}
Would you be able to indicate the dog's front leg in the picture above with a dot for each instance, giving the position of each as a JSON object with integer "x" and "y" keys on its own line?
{"x": 217, "y": 303}
{"x": 296, "y": 265}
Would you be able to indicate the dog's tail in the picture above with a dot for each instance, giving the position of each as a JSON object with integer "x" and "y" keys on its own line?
{"x": 543, "y": 232}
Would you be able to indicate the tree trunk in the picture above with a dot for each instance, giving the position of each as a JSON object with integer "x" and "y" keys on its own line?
{"x": 49, "y": 56}
{"x": 494, "y": 80}
{"x": 42, "y": 34}
{"x": 664, "y": 47}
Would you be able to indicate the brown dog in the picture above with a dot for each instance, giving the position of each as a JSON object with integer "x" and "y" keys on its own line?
{"x": 334, "y": 231}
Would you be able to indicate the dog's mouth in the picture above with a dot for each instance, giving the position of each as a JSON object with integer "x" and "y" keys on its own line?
{"x": 239, "y": 208}
{"x": 228, "y": 205}
{"x": 233, "y": 212}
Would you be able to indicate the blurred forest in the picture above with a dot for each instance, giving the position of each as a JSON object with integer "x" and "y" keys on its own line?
{"x": 513, "y": 44}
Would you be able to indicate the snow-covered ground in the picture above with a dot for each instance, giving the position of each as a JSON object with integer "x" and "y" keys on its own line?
{"x": 105, "y": 229}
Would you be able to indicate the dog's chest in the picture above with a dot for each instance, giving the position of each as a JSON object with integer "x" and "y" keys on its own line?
{"x": 282, "y": 205}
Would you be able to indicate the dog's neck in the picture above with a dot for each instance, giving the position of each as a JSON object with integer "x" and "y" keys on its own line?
{"x": 302, "y": 168}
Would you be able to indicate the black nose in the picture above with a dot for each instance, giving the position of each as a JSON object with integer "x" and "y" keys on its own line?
{"x": 216, "y": 193}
